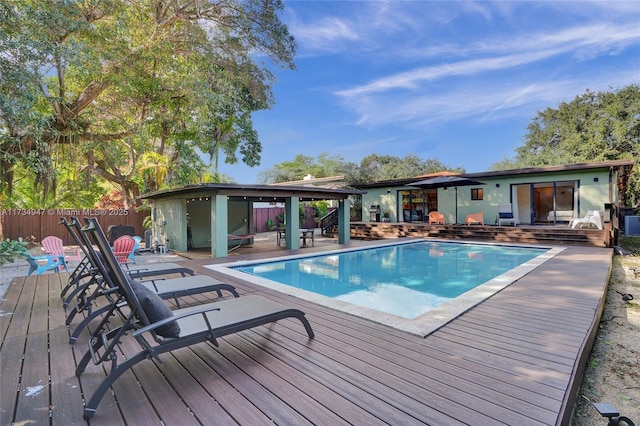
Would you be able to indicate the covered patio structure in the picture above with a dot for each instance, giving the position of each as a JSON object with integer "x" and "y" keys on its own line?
{"x": 211, "y": 212}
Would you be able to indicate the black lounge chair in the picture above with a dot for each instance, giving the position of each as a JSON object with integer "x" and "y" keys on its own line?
{"x": 85, "y": 273}
{"x": 159, "y": 330}
{"x": 173, "y": 288}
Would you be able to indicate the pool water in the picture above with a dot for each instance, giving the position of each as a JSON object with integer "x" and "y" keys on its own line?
{"x": 406, "y": 280}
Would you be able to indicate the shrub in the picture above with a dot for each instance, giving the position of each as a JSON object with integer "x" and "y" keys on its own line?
{"x": 10, "y": 249}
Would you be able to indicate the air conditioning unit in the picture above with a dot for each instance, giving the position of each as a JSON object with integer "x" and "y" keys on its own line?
{"x": 632, "y": 225}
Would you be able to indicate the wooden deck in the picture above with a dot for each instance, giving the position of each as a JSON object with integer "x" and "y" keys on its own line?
{"x": 515, "y": 359}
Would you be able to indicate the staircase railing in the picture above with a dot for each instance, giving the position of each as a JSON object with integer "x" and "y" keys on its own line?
{"x": 328, "y": 221}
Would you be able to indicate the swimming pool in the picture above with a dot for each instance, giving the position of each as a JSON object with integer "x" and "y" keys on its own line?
{"x": 411, "y": 285}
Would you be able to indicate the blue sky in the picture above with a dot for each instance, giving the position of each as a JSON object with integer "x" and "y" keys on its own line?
{"x": 448, "y": 80}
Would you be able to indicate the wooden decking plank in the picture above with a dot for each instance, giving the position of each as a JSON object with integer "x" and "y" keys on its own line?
{"x": 56, "y": 311}
{"x": 8, "y": 305}
{"x": 246, "y": 385}
{"x": 462, "y": 376}
{"x": 552, "y": 338}
{"x": 19, "y": 323}
{"x": 513, "y": 339}
{"x": 248, "y": 361}
{"x": 383, "y": 385}
{"x": 10, "y": 355}
{"x": 489, "y": 344}
{"x": 279, "y": 364}
{"x": 239, "y": 408}
{"x": 458, "y": 390}
{"x": 66, "y": 395}
{"x": 39, "y": 321}
{"x": 514, "y": 366}
{"x": 33, "y": 398}
{"x": 327, "y": 376}
{"x": 202, "y": 405}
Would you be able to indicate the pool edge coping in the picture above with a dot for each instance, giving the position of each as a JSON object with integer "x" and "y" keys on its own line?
{"x": 424, "y": 324}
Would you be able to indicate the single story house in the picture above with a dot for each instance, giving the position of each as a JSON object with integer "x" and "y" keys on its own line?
{"x": 216, "y": 214}
{"x": 538, "y": 195}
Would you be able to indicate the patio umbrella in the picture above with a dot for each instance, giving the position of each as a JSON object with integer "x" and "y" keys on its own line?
{"x": 447, "y": 182}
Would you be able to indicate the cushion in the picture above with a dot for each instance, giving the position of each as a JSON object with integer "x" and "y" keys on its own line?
{"x": 155, "y": 309}
{"x": 507, "y": 215}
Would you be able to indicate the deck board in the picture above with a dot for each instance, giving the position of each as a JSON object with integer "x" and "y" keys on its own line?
{"x": 513, "y": 359}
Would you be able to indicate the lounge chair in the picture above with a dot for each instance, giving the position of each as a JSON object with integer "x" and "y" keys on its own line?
{"x": 436, "y": 218}
{"x": 592, "y": 217}
{"x": 173, "y": 288}
{"x": 159, "y": 330}
{"x": 477, "y": 218}
{"x": 505, "y": 215}
{"x": 36, "y": 265}
{"x": 85, "y": 273}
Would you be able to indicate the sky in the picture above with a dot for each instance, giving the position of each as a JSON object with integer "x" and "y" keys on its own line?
{"x": 456, "y": 81}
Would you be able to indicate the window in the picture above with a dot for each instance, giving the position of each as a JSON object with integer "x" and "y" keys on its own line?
{"x": 477, "y": 194}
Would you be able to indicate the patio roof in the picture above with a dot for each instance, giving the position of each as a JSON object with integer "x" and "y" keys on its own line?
{"x": 625, "y": 165}
{"x": 256, "y": 193}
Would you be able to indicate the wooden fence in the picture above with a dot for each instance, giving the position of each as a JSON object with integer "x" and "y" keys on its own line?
{"x": 40, "y": 223}
{"x": 262, "y": 215}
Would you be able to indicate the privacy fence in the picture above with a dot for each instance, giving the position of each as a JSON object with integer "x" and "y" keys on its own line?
{"x": 40, "y": 223}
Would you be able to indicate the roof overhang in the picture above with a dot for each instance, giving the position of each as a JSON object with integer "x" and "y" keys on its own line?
{"x": 255, "y": 193}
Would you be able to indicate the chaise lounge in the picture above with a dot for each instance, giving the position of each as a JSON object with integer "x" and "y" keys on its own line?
{"x": 159, "y": 330}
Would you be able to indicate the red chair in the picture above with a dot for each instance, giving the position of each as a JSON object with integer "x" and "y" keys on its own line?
{"x": 54, "y": 248}
{"x": 123, "y": 247}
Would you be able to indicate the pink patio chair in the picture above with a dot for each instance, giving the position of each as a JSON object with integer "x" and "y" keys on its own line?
{"x": 123, "y": 247}
{"x": 54, "y": 248}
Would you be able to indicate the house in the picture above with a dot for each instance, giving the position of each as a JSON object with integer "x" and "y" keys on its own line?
{"x": 538, "y": 195}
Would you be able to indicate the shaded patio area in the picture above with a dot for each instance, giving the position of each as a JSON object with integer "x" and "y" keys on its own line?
{"x": 516, "y": 358}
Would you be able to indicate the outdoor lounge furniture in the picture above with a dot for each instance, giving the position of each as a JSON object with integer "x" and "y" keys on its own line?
{"x": 239, "y": 239}
{"x": 436, "y": 218}
{"x": 505, "y": 215}
{"x": 173, "y": 288}
{"x": 474, "y": 218}
{"x": 592, "y": 217}
{"x": 159, "y": 330}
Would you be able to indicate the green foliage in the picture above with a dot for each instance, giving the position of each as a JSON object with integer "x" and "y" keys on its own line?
{"x": 10, "y": 249}
{"x": 372, "y": 168}
{"x": 595, "y": 126}
{"x": 117, "y": 90}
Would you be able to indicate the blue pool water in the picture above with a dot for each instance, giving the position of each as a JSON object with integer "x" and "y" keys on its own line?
{"x": 405, "y": 280}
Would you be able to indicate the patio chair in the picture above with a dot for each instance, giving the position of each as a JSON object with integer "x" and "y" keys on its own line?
{"x": 36, "y": 265}
{"x": 474, "y": 218}
{"x": 53, "y": 247}
{"x": 436, "y": 218}
{"x": 123, "y": 247}
{"x": 132, "y": 256}
{"x": 592, "y": 217}
{"x": 173, "y": 288}
{"x": 159, "y": 330}
{"x": 505, "y": 215}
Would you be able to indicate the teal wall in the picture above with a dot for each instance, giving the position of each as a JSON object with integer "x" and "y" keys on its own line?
{"x": 497, "y": 190}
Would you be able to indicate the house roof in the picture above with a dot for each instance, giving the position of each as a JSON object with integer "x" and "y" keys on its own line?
{"x": 624, "y": 165}
{"x": 254, "y": 192}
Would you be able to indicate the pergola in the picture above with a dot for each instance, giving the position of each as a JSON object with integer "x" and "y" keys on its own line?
{"x": 169, "y": 209}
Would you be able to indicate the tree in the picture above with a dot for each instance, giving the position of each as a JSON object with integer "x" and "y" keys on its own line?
{"x": 98, "y": 84}
{"x": 372, "y": 168}
{"x": 595, "y": 126}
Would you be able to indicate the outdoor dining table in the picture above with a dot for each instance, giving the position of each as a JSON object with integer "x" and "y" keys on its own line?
{"x": 305, "y": 236}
